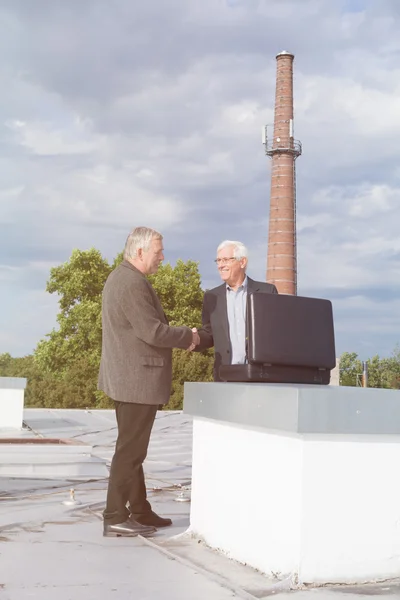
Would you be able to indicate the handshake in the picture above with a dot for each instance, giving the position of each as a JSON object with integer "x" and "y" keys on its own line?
{"x": 195, "y": 340}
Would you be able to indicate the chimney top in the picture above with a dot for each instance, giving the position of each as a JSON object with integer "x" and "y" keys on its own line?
{"x": 285, "y": 53}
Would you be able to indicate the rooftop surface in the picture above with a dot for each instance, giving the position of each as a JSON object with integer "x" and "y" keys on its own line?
{"x": 51, "y": 548}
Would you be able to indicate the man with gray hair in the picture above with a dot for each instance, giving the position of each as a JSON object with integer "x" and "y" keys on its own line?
{"x": 136, "y": 372}
{"x": 224, "y": 307}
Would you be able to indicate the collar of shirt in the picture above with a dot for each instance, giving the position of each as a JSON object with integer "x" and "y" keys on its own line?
{"x": 242, "y": 287}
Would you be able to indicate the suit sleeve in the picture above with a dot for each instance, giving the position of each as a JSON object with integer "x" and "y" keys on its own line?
{"x": 205, "y": 333}
{"x": 138, "y": 306}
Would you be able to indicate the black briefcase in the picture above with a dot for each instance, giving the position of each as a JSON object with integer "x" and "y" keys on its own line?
{"x": 290, "y": 339}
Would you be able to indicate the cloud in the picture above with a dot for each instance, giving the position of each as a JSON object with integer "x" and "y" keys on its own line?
{"x": 362, "y": 222}
{"x": 151, "y": 113}
{"x": 43, "y": 140}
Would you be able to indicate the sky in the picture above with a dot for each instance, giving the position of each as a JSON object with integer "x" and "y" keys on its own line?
{"x": 119, "y": 113}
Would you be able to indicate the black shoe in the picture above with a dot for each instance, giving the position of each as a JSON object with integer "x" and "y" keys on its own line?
{"x": 129, "y": 528}
{"x": 151, "y": 519}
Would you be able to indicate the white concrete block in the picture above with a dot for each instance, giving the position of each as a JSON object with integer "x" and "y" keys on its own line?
{"x": 315, "y": 497}
{"x": 246, "y": 494}
{"x": 350, "y": 510}
{"x": 12, "y": 391}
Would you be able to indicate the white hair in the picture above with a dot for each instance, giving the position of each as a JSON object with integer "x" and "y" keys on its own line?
{"x": 239, "y": 249}
{"x": 140, "y": 237}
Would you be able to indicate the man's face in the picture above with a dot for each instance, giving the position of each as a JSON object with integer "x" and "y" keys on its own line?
{"x": 153, "y": 257}
{"x": 230, "y": 269}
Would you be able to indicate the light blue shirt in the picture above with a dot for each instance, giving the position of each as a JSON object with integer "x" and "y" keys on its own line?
{"x": 236, "y": 305}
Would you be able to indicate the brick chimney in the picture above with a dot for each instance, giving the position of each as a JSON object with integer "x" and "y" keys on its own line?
{"x": 283, "y": 149}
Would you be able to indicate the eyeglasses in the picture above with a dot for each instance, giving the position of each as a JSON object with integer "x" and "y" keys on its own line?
{"x": 224, "y": 261}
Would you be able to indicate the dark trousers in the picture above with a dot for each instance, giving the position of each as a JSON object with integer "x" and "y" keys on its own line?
{"x": 126, "y": 484}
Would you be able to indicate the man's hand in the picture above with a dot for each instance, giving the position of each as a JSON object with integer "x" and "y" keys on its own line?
{"x": 195, "y": 340}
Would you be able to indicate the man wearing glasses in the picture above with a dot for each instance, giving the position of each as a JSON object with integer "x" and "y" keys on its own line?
{"x": 224, "y": 307}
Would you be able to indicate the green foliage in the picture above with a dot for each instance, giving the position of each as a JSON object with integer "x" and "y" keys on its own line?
{"x": 117, "y": 260}
{"x": 22, "y": 367}
{"x": 395, "y": 381}
{"x": 180, "y": 293}
{"x": 188, "y": 366}
{"x": 379, "y": 372}
{"x": 382, "y": 372}
{"x": 81, "y": 278}
{"x": 64, "y": 368}
{"x": 181, "y": 296}
{"x": 39, "y": 385}
{"x": 350, "y": 367}
{"x": 5, "y": 364}
{"x": 79, "y": 283}
{"x": 50, "y": 390}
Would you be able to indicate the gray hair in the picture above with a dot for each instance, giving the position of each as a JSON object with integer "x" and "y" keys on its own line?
{"x": 140, "y": 237}
{"x": 239, "y": 249}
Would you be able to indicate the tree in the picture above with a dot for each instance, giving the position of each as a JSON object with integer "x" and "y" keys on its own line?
{"x": 382, "y": 372}
{"x": 395, "y": 371}
{"x": 180, "y": 293}
{"x": 350, "y": 367}
{"x": 70, "y": 356}
{"x": 181, "y": 296}
{"x": 188, "y": 366}
{"x": 379, "y": 372}
{"x": 79, "y": 283}
{"x": 5, "y": 362}
{"x": 42, "y": 390}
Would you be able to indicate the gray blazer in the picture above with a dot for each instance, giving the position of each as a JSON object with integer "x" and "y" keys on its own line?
{"x": 136, "y": 356}
{"x": 215, "y": 325}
